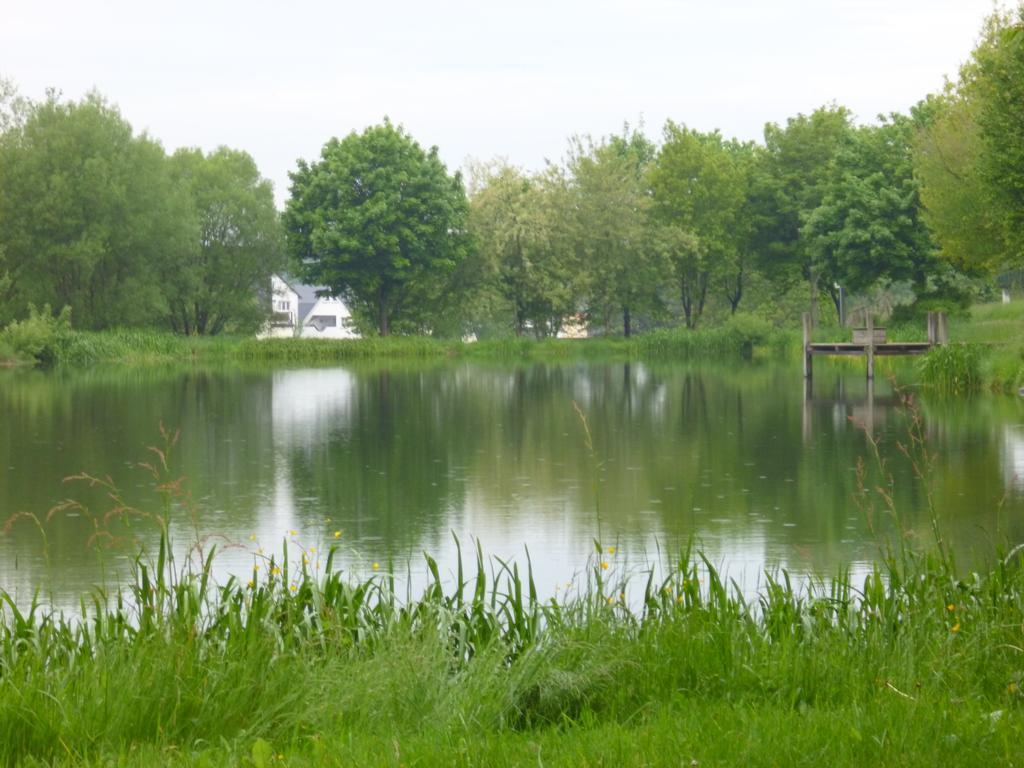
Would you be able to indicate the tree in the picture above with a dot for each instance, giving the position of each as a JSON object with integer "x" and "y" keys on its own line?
{"x": 798, "y": 160}
{"x": 868, "y": 226}
{"x": 518, "y": 226}
{"x": 622, "y": 264}
{"x": 970, "y": 153}
{"x": 957, "y": 203}
{"x": 699, "y": 186}
{"x": 87, "y": 214}
{"x": 12, "y": 106}
{"x": 378, "y": 221}
{"x": 219, "y": 280}
{"x": 998, "y": 87}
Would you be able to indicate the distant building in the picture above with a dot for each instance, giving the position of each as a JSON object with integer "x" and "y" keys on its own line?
{"x": 573, "y": 327}
{"x": 298, "y": 311}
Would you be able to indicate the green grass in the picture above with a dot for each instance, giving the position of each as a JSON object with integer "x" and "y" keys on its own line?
{"x": 313, "y": 665}
{"x": 999, "y": 330}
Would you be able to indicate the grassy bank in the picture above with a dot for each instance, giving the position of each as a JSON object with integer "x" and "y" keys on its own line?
{"x": 986, "y": 350}
{"x": 306, "y": 664}
{"x": 50, "y": 342}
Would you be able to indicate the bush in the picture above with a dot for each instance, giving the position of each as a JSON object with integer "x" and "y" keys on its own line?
{"x": 41, "y": 337}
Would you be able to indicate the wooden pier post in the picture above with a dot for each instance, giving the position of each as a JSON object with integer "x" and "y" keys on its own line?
{"x": 870, "y": 348}
{"x": 808, "y": 364}
{"x": 941, "y": 329}
{"x": 932, "y": 328}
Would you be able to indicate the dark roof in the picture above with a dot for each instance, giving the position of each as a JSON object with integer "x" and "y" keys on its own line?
{"x": 307, "y": 294}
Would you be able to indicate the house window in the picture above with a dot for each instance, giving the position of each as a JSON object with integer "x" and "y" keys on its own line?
{"x": 284, "y": 306}
{"x": 323, "y": 321}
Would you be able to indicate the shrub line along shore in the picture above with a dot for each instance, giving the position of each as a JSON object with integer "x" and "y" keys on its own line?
{"x": 986, "y": 352}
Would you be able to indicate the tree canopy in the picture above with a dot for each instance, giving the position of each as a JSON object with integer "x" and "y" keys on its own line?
{"x": 868, "y": 225}
{"x": 379, "y": 221}
{"x": 223, "y": 276}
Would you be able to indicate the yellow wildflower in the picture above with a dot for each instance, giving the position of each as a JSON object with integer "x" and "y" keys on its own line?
{"x": 293, "y": 588}
{"x": 376, "y": 566}
{"x": 293, "y": 533}
{"x": 611, "y": 550}
{"x": 956, "y": 627}
{"x": 604, "y": 565}
{"x": 951, "y": 607}
{"x": 337, "y": 534}
{"x": 252, "y": 537}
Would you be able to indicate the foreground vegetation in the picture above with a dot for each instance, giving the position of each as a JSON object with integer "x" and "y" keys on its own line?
{"x": 309, "y": 665}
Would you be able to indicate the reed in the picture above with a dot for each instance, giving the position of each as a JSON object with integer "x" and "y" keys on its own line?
{"x": 952, "y": 369}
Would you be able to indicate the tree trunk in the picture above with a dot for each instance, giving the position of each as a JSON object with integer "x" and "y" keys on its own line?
{"x": 382, "y": 313}
{"x": 736, "y": 294}
{"x": 812, "y": 283}
{"x": 627, "y": 328}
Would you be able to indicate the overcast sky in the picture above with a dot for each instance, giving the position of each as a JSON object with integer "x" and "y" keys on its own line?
{"x": 478, "y": 79}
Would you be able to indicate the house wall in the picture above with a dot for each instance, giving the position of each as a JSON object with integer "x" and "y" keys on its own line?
{"x": 332, "y": 308}
{"x": 284, "y": 301}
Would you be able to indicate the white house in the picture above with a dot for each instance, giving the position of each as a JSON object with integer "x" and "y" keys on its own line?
{"x": 298, "y": 311}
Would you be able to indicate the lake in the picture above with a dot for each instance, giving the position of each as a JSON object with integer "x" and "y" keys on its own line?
{"x": 740, "y": 459}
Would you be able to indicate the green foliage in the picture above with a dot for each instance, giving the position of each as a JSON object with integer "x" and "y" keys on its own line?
{"x": 380, "y": 222}
{"x": 971, "y": 150}
{"x": 42, "y": 337}
{"x": 519, "y": 228}
{"x": 999, "y": 89}
{"x": 618, "y": 253}
{"x": 88, "y": 214}
{"x": 957, "y": 204}
{"x": 798, "y": 163}
{"x": 699, "y": 186}
{"x": 221, "y": 281}
{"x": 868, "y": 227}
{"x": 952, "y": 369}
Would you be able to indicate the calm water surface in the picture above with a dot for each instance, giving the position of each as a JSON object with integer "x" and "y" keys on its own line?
{"x": 741, "y": 459}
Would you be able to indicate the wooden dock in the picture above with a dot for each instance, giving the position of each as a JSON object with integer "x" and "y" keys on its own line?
{"x": 870, "y": 343}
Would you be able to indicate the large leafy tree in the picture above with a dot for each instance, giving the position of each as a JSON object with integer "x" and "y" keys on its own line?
{"x": 379, "y": 221}
{"x": 958, "y": 205}
{"x": 699, "y": 184}
{"x": 622, "y": 263}
{"x": 868, "y": 226}
{"x": 970, "y": 153}
{"x": 1000, "y": 91}
{"x": 218, "y": 281}
{"x": 88, "y": 213}
{"x": 798, "y": 161}
{"x": 518, "y": 226}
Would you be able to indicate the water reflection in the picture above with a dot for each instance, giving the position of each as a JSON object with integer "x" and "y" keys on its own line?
{"x": 745, "y": 460}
